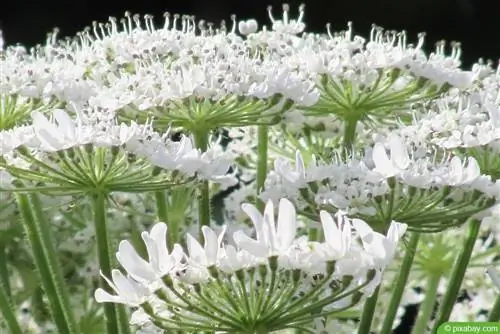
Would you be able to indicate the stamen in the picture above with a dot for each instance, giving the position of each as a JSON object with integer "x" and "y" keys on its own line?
{"x": 286, "y": 9}
{"x": 166, "y": 24}
{"x": 233, "y": 28}
{"x": 129, "y": 21}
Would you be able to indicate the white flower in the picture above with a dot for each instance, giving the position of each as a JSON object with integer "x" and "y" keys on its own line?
{"x": 129, "y": 291}
{"x": 398, "y": 162}
{"x": 295, "y": 177}
{"x": 61, "y": 134}
{"x": 272, "y": 238}
{"x": 209, "y": 254}
{"x": 161, "y": 262}
{"x": 458, "y": 174}
{"x": 233, "y": 260}
{"x": 337, "y": 235}
{"x": 381, "y": 248}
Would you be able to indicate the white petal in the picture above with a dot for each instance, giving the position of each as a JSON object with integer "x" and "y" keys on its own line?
{"x": 159, "y": 235}
{"x": 287, "y": 224}
{"x": 136, "y": 266}
{"x": 211, "y": 244}
{"x": 399, "y": 153}
{"x": 380, "y": 159}
{"x": 102, "y": 296}
{"x": 472, "y": 170}
{"x": 362, "y": 227}
{"x": 65, "y": 122}
{"x": 269, "y": 226}
{"x": 255, "y": 248}
{"x": 256, "y": 218}
{"x": 299, "y": 164}
{"x": 330, "y": 228}
{"x": 195, "y": 250}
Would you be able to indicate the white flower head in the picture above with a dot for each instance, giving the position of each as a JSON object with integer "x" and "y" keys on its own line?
{"x": 399, "y": 158}
{"x": 337, "y": 235}
{"x": 382, "y": 248}
{"x": 272, "y": 238}
{"x": 128, "y": 291}
{"x": 160, "y": 263}
{"x": 208, "y": 254}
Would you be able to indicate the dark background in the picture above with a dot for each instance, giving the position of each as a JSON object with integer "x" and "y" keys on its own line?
{"x": 474, "y": 23}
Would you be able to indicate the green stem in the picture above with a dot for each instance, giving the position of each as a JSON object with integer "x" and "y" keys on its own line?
{"x": 99, "y": 202}
{"x": 7, "y": 312}
{"x": 399, "y": 287}
{"x": 262, "y": 147}
{"x": 427, "y": 307}
{"x": 313, "y": 234}
{"x": 349, "y": 137}
{"x": 162, "y": 213}
{"x": 204, "y": 214}
{"x": 123, "y": 319}
{"x": 457, "y": 276}
{"x": 368, "y": 312}
{"x": 37, "y": 229}
{"x": 494, "y": 315}
{"x": 4, "y": 273}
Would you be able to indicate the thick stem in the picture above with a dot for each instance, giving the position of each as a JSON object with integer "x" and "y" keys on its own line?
{"x": 262, "y": 146}
{"x": 6, "y": 310}
{"x": 162, "y": 214}
{"x": 101, "y": 231}
{"x": 494, "y": 315}
{"x": 400, "y": 284}
{"x": 368, "y": 313}
{"x": 427, "y": 307}
{"x": 204, "y": 214}
{"x": 349, "y": 137}
{"x": 457, "y": 276}
{"x": 37, "y": 229}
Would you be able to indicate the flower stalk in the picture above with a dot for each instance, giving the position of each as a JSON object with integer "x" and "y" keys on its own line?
{"x": 349, "y": 137}
{"x": 4, "y": 273}
{"x": 201, "y": 137}
{"x": 494, "y": 315}
{"x": 7, "y": 312}
{"x": 400, "y": 284}
{"x": 162, "y": 208}
{"x": 262, "y": 147}
{"x": 368, "y": 313}
{"x": 39, "y": 236}
{"x": 427, "y": 307}
{"x": 101, "y": 231}
{"x": 457, "y": 275}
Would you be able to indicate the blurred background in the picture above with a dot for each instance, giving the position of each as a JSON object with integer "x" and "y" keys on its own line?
{"x": 472, "y": 22}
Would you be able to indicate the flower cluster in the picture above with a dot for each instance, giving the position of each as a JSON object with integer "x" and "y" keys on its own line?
{"x": 276, "y": 280}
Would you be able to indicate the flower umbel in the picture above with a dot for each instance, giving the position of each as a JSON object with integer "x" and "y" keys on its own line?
{"x": 272, "y": 283}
